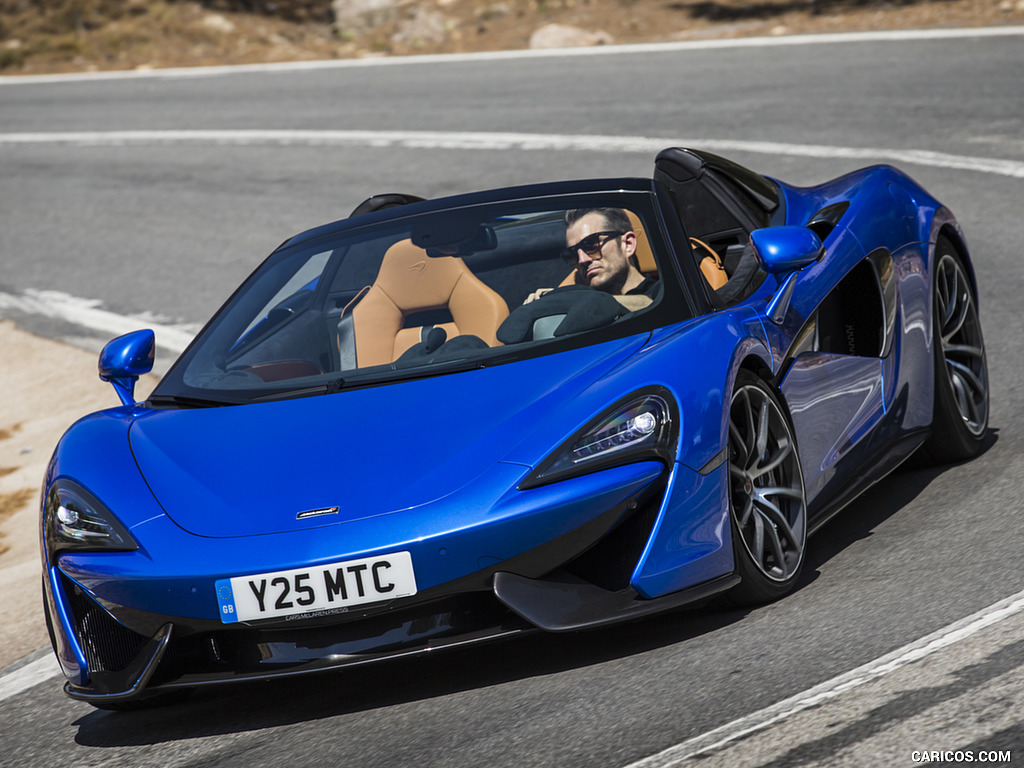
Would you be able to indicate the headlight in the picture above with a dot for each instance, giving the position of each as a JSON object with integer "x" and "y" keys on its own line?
{"x": 644, "y": 425}
{"x": 74, "y": 519}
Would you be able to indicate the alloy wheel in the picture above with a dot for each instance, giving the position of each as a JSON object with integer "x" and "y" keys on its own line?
{"x": 962, "y": 345}
{"x": 766, "y": 484}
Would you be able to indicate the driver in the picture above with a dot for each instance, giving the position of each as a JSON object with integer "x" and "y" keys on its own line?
{"x": 601, "y": 245}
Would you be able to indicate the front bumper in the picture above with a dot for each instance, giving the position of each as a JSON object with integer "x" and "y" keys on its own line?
{"x": 577, "y": 580}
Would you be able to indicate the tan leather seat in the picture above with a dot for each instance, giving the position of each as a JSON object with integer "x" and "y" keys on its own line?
{"x": 408, "y": 282}
{"x": 644, "y": 255}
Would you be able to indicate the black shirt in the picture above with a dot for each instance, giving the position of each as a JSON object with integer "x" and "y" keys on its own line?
{"x": 649, "y": 288}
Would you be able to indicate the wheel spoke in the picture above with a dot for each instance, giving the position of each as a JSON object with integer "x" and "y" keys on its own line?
{"x": 757, "y": 547}
{"x": 967, "y": 350}
{"x": 743, "y": 441}
{"x": 962, "y": 309}
{"x": 782, "y": 490}
{"x": 952, "y": 284}
{"x": 774, "y": 515}
{"x": 738, "y": 445}
{"x": 946, "y": 292}
{"x": 762, "y": 434}
{"x": 965, "y": 400}
{"x": 775, "y": 545}
{"x": 783, "y": 452}
{"x": 969, "y": 377}
{"x": 744, "y": 518}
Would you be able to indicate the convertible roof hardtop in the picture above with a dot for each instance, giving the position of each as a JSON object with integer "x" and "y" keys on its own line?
{"x": 545, "y": 189}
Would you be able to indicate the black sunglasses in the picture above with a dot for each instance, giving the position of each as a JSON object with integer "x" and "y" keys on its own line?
{"x": 590, "y": 245}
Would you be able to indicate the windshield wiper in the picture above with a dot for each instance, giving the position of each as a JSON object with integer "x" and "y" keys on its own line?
{"x": 287, "y": 394}
{"x": 378, "y": 377}
{"x": 187, "y": 401}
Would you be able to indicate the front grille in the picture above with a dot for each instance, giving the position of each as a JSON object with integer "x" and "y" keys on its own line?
{"x": 241, "y": 650}
{"x": 108, "y": 645}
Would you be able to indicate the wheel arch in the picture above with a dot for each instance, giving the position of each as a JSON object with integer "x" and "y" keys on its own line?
{"x": 773, "y": 379}
{"x": 754, "y": 358}
{"x": 756, "y": 365}
{"x": 751, "y": 355}
{"x": 945, "y": 226}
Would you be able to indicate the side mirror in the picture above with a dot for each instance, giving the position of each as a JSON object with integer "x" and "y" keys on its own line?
{"x": 783, "y": 252}
{"x": 126, "y": 358}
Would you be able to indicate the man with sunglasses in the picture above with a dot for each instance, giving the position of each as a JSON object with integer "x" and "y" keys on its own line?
{"x": 601, "y": 245}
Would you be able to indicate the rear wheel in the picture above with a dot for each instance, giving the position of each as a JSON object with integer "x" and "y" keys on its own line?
{"x": 960, "y": 418}
{"x": 767, "y": 504}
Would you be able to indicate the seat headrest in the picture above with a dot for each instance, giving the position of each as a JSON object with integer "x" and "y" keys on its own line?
{"x": 644, "y": 255}
{"x": 415, "y": 281}
{"x": 409, "y": 281}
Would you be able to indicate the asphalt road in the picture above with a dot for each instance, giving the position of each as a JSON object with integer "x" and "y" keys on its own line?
{"x": 167, "y": 223}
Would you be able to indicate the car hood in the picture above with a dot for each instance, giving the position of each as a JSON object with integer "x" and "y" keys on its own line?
{"x": 281, "y": 466}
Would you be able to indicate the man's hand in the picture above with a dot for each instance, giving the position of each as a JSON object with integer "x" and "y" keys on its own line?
{"x": 537, "y": 294}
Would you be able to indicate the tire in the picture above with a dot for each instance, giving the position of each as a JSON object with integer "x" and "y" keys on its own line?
{"x": 960, "y": 418}
{"x": 767, "y": 500}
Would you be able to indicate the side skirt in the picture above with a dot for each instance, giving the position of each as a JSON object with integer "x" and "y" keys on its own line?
{"x": 884, "y": 464}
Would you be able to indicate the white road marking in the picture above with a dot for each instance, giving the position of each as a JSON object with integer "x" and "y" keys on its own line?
{"x": 880, "y": 667}
{"x": 894, "y": 36}
{"x": 21, "y": 679}
{"x": 86, "y": 313}
{"x": 523, "y": 142}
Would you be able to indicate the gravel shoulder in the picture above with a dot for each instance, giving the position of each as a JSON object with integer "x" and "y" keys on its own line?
{"x": 47, "y": 386}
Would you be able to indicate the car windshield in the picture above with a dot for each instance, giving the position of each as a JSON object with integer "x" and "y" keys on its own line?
{"x": 428, "y": 294}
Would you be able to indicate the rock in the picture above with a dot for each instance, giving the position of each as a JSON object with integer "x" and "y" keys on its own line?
{"x": 562, "y": 36}
{"x": 217, "y": 23}
{"x": 425, "y": 26}
{"x": 494, "y": 12}
{"x": 356, "y": 16}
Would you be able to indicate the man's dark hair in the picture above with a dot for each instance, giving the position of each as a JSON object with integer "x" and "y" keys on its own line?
{"x": 616, "y": 217}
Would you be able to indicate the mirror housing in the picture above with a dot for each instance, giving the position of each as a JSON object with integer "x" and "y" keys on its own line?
{"x": 783, "y": 252}
{"x": 126, "y": 358}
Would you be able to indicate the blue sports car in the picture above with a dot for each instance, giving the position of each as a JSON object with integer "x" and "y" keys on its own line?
{"x": 554, "y": 407}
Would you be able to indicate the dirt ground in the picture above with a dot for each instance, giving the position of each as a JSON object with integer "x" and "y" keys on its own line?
{"x": 89, "y": 35}
{"x": 46, "y": 387}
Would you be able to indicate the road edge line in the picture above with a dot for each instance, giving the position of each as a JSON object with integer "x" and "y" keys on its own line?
{"x": 830, "y": 689}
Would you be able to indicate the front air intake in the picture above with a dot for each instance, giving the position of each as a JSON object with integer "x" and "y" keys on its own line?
{"x": 108, "y": 645}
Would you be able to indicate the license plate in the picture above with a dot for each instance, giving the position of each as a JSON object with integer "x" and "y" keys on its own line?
{"x": 323, "y": 588}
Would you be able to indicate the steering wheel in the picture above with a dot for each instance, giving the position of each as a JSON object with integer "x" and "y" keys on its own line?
{"x": 560, "y": 312}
